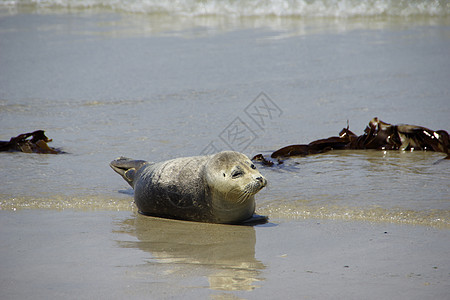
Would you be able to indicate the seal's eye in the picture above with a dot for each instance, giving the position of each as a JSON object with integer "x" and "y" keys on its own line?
{"x": 253, "y": 167}
{"x": 237, "y": 174}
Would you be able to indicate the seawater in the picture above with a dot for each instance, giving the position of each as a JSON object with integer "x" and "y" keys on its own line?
{"x": 156, "y": 81}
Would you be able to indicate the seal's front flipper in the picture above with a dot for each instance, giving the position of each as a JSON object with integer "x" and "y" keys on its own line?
{"x": 255, "y": 220}
{"x": 127, "y": 167}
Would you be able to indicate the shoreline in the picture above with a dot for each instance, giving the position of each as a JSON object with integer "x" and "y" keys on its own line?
{"x": 281, "y": 211}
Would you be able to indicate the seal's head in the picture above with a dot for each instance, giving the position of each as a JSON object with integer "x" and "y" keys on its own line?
{"x": 233, "y": 181}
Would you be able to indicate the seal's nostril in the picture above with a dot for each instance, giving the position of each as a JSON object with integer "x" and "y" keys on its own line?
{"x": 262, "y": 180}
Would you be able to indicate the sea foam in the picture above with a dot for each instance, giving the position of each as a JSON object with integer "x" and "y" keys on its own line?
{"x": 254, "y": 8}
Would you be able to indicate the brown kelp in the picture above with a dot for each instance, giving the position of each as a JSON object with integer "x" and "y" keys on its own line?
{"x": 377, "y": 135}
{"x": 31, "y": 142}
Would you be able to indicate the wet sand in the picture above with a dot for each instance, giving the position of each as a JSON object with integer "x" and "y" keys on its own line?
{"x": 48, "y": 254}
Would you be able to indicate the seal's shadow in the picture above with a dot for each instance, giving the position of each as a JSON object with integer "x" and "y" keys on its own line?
{"x": 223, "y": 253}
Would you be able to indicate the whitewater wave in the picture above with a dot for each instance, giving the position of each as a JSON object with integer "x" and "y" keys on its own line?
{"x": 253, "y": 8}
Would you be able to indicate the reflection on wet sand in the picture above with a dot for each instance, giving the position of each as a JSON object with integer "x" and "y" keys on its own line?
{"x": 225, "y": 252}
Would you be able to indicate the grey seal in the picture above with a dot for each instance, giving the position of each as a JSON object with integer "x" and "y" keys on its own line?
{"x": 218, "y": 188}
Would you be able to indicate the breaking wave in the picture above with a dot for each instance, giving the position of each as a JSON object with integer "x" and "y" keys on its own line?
{"x": 252, "y": 8}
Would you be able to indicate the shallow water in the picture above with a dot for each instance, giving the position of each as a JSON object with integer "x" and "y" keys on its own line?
{"x": 104, "y": 84}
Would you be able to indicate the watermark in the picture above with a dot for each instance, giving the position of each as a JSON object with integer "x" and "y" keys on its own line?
{"x": 210, "y": 149}
{"x": 238, "y": 135}
{"x": 262, "y": 109}
{"x": 242, "y": 132}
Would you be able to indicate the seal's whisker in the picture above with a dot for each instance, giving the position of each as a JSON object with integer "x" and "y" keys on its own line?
{"x": 244, "y": 196}
{"x": 233, "y": 191}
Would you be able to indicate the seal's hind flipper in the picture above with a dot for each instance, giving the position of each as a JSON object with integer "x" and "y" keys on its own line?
{"x": 127, "y": 167}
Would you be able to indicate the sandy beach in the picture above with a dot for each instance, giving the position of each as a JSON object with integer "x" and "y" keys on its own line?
{"x": 109, "y": 79}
